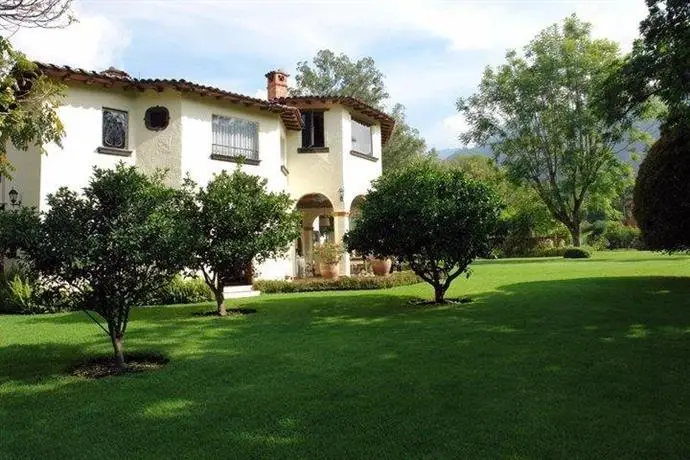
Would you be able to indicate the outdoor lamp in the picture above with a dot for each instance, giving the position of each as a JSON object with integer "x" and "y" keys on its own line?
{"x": 14, "y": 196}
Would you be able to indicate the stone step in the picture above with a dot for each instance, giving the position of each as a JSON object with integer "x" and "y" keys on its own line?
{"x": 236, "y": 292}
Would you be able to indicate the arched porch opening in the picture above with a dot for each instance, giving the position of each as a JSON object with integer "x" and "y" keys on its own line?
{"x": 317, "y": 226}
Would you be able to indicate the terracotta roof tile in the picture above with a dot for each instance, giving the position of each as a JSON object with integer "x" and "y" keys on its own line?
{"x": 387, "y": 122}
{"x": 113, "y": 77}
{"x": 287, "y": 107}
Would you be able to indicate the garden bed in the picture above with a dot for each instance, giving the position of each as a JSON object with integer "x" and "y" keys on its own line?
{"x": 105, "y": 366}
{"x": 344, "y": 283}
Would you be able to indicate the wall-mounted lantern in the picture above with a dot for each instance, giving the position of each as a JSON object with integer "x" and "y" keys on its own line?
{"x": 15, "y": 200}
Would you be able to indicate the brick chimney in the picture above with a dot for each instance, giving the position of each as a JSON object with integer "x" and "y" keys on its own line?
{"x": 276, "y": 84}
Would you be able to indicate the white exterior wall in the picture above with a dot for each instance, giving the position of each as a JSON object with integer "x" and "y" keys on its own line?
{"x": 25, "y": 178}
{"x": 196, "y": 159}
{"x": 184, "y": 147}
{"x": 319, "y": 172}
{"x": 72, "y": 165}
{"x": 358, "y": 173}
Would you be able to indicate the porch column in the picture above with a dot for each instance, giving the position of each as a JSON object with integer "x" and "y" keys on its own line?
{"x": 341, "y": 224}
{"x": 307, "y": 244}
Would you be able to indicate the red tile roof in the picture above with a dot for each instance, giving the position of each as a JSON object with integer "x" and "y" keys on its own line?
{"x": 287, "y": 107}
{"x": 113, "y": 77}
{"x": 303, "y": 102}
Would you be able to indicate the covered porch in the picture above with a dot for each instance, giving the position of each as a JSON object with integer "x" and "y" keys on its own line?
{"x": 322, "y": 222}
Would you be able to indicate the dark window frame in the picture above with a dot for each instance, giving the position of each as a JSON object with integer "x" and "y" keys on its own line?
{"x": 165, "y": 118}
{"x": 106, "y": 140}
{"x": 313, "y": 136}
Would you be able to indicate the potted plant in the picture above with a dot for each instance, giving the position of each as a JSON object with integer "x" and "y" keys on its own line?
{"x": 328, "y": 255}
{"x": 381, "y": 266}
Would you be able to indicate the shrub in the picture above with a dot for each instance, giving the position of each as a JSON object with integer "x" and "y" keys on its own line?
{"x": 434, "y": 218}
{"x": 328, "y": 253}
{"x": 576, "y": 253}
{"x": 546, "y": 252}
{"x": 595, "y": 233}
{"x": 344, "y": 283}
{"x": 662, "y": 193}
{"x": 21, "y": 292}
{"x": 183, "y": 290}
{"x": 621, "y": 236}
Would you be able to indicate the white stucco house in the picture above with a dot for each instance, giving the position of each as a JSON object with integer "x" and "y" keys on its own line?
{"x": 323, "y": 150}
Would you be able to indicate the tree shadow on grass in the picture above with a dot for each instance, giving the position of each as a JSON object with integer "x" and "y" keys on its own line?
{"x": 515, "y": 373}
{"x": 32, "y": 363}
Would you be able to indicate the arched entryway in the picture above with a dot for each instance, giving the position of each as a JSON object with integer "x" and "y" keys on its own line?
{"x": 317, "y": 226}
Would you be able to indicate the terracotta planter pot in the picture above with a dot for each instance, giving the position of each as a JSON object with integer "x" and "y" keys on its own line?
{"x": 381, "y": 267}
{"x": 329, "y": 271}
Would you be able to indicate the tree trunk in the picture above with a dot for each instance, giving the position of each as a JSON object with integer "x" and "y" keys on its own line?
{"x": 119, "y": 349}
{"x": 220, "y": 303}
{"x": 575, "y": 234}
{"x": 439, "y": 293}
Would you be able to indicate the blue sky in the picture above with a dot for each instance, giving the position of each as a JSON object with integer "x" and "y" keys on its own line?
{"x": 432, "y": 52}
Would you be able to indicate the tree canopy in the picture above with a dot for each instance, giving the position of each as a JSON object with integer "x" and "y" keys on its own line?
{"x": 28, "y": 105}
{"x": 657, "y": 67}
{"x": 434, "y": 218}
{"x": 113, "y": 245}
{"x": 540, "y": 114}
{"x": 337, "y": 74}
{"x": 331, "y": 74}
{"x": 405, "y": 145}
{"x": 236, "y": 222}
{"x": 662, "y": 193}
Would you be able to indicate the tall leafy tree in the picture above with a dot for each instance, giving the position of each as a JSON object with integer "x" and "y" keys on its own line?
{"x": 524, "y": 217}
{"x": 404, "y": 145}
{"x": 236, "y": 222}
{"x": 337, "y": 74}
{"x": 332, "y": 74}
{"x": 540, "y": 114}
{"x": 113, "y": 245}
{"x": 657, "y": 67}
{"x": 434, "y": 218}
{"x": 28, "y": 105}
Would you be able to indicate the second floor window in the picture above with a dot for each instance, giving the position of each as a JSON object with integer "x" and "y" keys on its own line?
{"x": 235, "y": 137}
{"x": 313, "y": 130}
{"x": 361, "y": 138}
{"x": 115, "y": 127}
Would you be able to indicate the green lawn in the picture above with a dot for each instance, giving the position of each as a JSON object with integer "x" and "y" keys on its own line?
{"x": 553, "y": 359}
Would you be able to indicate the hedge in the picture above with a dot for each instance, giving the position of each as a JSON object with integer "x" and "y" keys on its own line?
{"x": 182, "y": 291}
{"x": 344, "y": 283}
{"x": 577, "y": 253}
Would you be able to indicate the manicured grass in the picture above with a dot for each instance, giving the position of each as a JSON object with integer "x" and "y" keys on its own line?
{"x": 553, "y": 359}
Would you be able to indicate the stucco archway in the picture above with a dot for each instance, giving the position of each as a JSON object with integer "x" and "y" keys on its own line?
{"x": 317, "y": 226}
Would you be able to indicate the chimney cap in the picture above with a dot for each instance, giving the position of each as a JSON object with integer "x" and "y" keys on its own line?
{"x": 277, "y": 72}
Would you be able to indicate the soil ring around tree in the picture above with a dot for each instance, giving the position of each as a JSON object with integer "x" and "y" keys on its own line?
{"x": 105, "y": 366}
{"x": 432, "y": 303}
{"x": 230, "y": 312}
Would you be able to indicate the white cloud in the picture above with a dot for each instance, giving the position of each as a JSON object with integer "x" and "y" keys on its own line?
{"x": 456, "y": 39}
{"x": 94, "y": 42}
{"x": 445, "y": 132}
